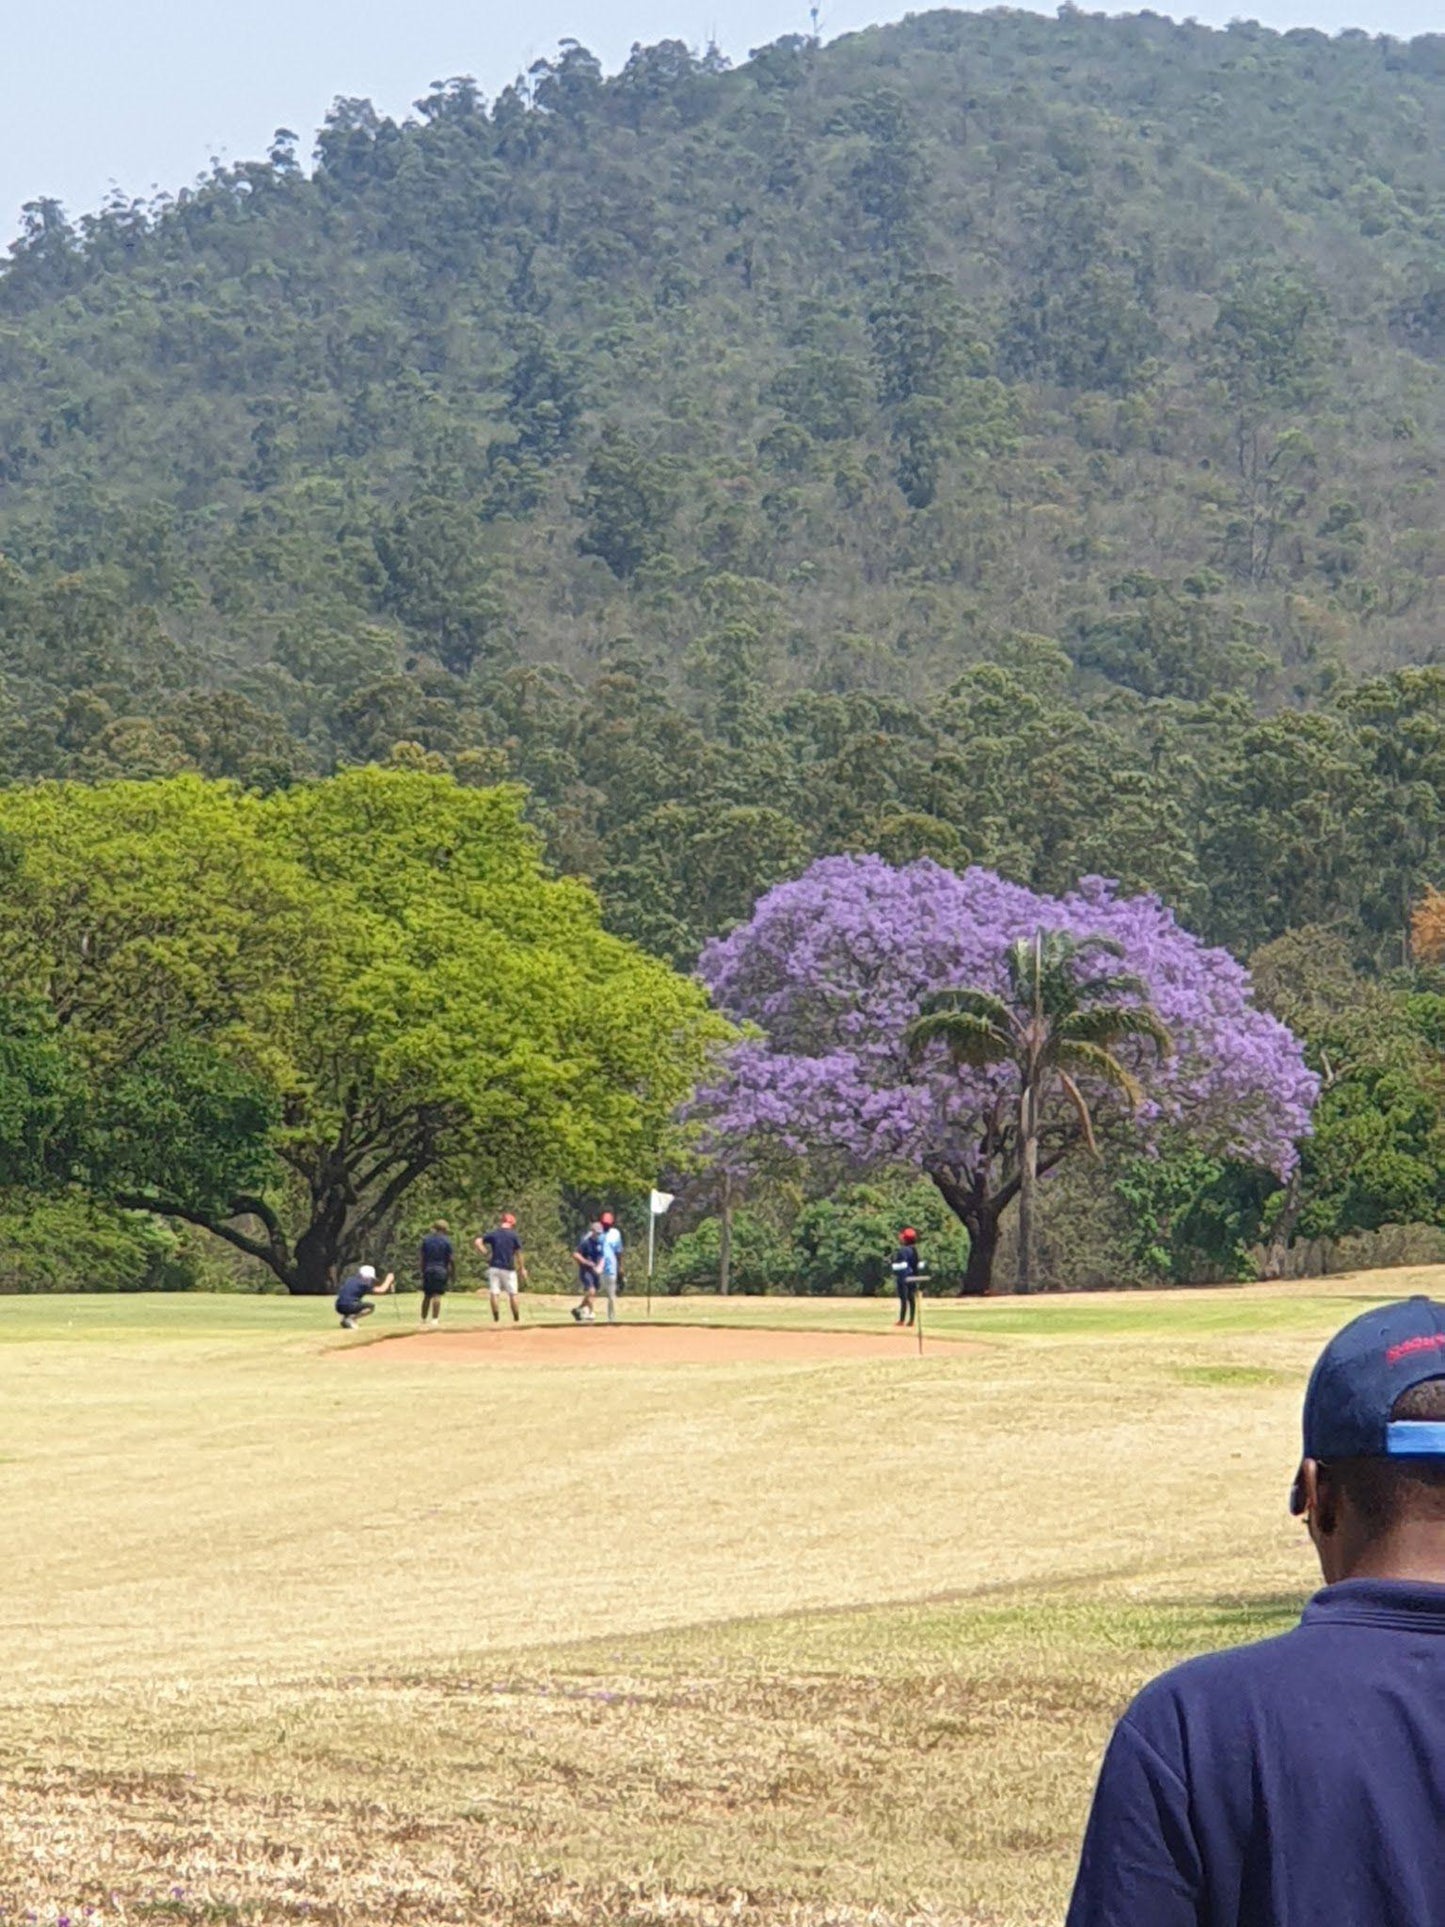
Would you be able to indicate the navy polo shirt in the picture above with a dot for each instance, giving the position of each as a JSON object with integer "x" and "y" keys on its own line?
{"x": 352, "y": 1294}
{"x": 502, "y": 1245}
{"x": 1299, "y": 1782}
{"x": 436, "y": 1255}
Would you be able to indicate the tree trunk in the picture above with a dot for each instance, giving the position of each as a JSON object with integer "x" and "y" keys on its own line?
{"x": 725, "y": 1241}
{"x": 982, "y": 1250}
{"x": 1276, "y": 1251}
{"x": 979, "y": 1216}
{"x": 318, "y": 1252}
{"x": 1028, "y": 1181}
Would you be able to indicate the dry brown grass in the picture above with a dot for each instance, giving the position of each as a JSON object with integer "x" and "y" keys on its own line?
{"x": 295, "y": 1638}
{"x": 918, "y": 1764}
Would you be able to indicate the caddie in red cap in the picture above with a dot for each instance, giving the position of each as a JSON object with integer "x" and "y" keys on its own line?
{"x": 904, "y": 1266}
{"x": 1300, "y": 1782}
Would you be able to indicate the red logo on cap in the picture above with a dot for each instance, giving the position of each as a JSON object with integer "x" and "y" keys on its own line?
{"x": 1426, "y": 1342}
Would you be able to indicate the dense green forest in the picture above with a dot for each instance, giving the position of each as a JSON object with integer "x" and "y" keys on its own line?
{"x": 1007, "y": 439}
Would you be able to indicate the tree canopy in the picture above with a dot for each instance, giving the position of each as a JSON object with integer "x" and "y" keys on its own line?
{"x": 289, "y": 1010}
{"x": 835, "y": 968}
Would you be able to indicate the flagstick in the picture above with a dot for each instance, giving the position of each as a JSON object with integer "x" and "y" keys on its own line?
{"x": 657, "y": 1203}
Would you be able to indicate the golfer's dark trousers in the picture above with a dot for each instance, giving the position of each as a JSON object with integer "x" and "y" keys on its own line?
{"x": 907, "y": 1298}
{"x": 362, "y": 1311}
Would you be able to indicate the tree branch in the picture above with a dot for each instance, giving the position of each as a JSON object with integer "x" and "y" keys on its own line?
{"x": 244, "y": 1205}
{"x": 275, "y": 1258}
{"x": 377, "y": 1210}
{"x": 1009, "y": 1189}
{"x": 362, "y": 1182}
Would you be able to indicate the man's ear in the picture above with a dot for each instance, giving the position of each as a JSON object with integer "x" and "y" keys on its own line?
{"x": 1310, "y": 1496}
{"x": 1316, "y": 1498}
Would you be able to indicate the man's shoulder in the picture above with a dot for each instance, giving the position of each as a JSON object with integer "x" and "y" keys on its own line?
{"x": 1216, "y": 1685}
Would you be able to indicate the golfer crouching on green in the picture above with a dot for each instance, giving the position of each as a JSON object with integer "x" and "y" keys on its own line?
{"x": 355, "y": 1290}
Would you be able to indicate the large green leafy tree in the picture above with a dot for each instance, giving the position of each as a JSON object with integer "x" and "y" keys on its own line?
{"x": 293, "y": 1009}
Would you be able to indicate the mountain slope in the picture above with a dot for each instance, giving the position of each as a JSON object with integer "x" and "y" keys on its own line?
{"x": 823, "y": 380}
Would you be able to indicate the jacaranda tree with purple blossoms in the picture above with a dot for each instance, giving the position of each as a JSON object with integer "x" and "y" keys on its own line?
{"x": 835, "y": 967}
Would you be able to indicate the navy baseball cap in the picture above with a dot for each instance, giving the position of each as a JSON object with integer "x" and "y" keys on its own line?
{"x": 1359, "y": 1375}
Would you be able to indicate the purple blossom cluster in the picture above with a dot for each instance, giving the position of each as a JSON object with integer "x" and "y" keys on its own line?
{"x": 832, "y": 967}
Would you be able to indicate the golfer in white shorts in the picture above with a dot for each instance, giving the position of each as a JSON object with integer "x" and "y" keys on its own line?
{"x": 504, "y": 1261}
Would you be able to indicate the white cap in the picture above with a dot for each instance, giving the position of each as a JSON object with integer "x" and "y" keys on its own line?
{"x": 368, "y": 1272}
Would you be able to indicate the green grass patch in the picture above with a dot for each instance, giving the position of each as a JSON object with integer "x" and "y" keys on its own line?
{"x": 1243, "y": 1375}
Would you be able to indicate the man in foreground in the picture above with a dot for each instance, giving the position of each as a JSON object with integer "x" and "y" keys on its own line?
{"x": 504, "y": 1261}
{"x": 356, "y": 1288}
{"x": 1300, "y": 1782}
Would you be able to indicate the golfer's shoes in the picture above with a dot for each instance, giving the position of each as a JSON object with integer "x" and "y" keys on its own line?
{"x": 348, "y": 1324}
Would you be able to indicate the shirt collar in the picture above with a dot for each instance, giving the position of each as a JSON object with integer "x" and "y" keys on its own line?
{"x": 1407, "y": 1604}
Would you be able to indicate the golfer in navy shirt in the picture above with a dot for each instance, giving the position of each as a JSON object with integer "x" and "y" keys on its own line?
{"x": 504, "y": 1264}
{"x": 1301, "y": 1782}
{"x": 905, "y": 1275}
{"x": 438, "y": 1268}
{"x": 356, "y": 1288}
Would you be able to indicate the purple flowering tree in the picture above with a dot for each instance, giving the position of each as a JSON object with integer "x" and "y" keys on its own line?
{"x": 833, "y": 968}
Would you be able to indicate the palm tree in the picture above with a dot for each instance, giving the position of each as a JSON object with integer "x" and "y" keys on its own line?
{"x": 1055, "y": 1027}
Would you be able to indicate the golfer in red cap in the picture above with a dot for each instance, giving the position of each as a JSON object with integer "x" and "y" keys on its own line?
{"x": 504, "y": 1265}
{"x": 905, "y": 1275}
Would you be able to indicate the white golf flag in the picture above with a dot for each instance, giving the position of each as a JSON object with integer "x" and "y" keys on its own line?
{"x": 660, "y": 1201}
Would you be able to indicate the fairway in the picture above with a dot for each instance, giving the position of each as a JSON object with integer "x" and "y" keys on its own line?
{"x": 768, "y": 1618}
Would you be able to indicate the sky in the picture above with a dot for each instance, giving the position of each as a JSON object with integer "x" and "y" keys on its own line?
{"x": 142, "y": 94}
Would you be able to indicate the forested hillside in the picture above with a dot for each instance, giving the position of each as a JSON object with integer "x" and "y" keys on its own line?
{"x": 996, "y": 437}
